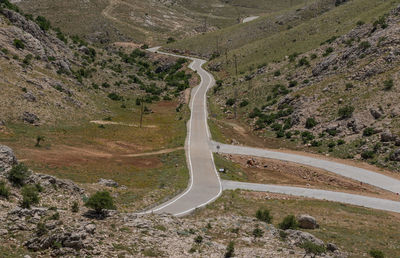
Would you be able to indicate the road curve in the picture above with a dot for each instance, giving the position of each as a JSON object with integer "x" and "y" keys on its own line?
{"x": 359, "y": 200}
{"x": 359, "y": 174}
{"x": 205, "y": 185}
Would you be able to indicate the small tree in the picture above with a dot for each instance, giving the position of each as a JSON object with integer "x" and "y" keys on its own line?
{"x": 289, "y": 222}
{"x": 18, "y": 174}
{"x": 39, "y": 138}
{"x": 264, "y": 215}
{"x": 29, "y": 196}
{"x": 230, "y": 250}
{"x": 100, "y": 201}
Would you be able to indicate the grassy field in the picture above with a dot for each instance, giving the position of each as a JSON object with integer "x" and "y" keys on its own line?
{"x": 87, "y": 152}
{"x": 339, "y": 223}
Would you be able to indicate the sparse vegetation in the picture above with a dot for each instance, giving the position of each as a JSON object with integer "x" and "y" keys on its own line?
{"x": 4, "y": 190}
{"x": 289, "y": 222}
{"x": 30, "y": 196}
{"x": 264, "y": 215}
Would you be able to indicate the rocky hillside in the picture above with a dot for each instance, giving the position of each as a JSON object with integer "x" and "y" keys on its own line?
{"x": 341, "y": 98}
{"x": 57, "y": 223}
{"x": 48, "y": 76}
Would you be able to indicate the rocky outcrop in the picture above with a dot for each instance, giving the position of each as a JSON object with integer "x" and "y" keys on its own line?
{"x": 108, "y": 182}
{"x": 7, "y": 159}
{"x": 30, "y": 118}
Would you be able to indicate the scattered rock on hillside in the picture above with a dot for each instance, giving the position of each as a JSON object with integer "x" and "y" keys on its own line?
{"x": 307, "y": 222}
{"x": 376, "y": 113}
{"x": 388, "y": 137}
{"x": 29, "y": 96}
{"x": 7, "y": 158}
{"x": 298, "y": 237}
{"x": 30, "y": 118}
{"x": 395, "y": 156}
{"x": 108, "y": 182}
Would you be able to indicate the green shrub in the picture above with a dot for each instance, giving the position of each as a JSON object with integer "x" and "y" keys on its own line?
{"x": 376, "y": 253}
{"x": 170, "y": 40}
{"x": 258, "y": 232}
{"x": 18, "y": 174}
{"x": 349, "y": 86}
{"x": 293, "y": 84}
{"x": 369, "y": 131}
{"x": 346, "y": 112}
{"x": 4, "y": 190}
{"x": 43, "y": 23}
{"x": 331, "y": 145}
{"x": 289, "y": 222}
{"x": 264, "y": 215}
{"x": 29, "y": 196}
{"x": 230, "y": 102}
{"x": 100, "y": 201}
{"x": 341, "y": 142}
{"x": 75, "y": 207}
{"x": 244, "y": 103}
{"x": 19, "y": 44}
{"x": 364, "y": 45}
{"x": 114, "y": 96}
{"x": 312, "y": 248}
{"x": 368, "y": 154}
{"x": 230, "y": 250}
{"x": 328, "y": 51}
{"x": 198, "y": 239}
{"x": 311, "y": 123}
{"x": 303, "y": 62}
{"x": 277, "y": 73}
{"x": 388, "y": 84}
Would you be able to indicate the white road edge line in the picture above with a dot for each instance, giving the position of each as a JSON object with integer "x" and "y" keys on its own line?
{"x": 189, "y": 144}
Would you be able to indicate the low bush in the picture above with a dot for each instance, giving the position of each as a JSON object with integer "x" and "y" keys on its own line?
{"x": 230, "y": 250}
{"x": 18, "y": 175}
{"x": 29, "y": 196}
{"x": 312, "y": 248}
{"x": 376, "y": 253}
{"x": 346, "y": 112}
{"x": 100, "y": 201}
{"x": 264, "y": 215}
{"x": 311, "y": 123}
{"x": 4, "y": 190}
{"x": 289, "y": 222}
{"x": 369, "y": 131}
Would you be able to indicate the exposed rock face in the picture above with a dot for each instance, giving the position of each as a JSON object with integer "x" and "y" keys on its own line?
{"x": 7, "y": 158}
{"x": 307, "y": 222}
{"x": 108, "y": 182}
{"x": 298, "y": 237}
{"x": 47, "y": 180}
{"x": 29, "y": 96}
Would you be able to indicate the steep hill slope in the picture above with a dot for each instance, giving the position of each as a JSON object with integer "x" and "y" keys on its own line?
{"x": 340, "y": 98}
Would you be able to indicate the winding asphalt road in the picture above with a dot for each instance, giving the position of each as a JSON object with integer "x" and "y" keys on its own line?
{"x": 205, "y": 185}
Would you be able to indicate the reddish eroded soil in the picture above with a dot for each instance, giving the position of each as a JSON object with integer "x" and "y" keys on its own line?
{"x": 267, "y": 171}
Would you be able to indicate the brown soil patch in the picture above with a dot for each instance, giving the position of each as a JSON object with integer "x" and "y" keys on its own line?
{"x": 67, "y": 155}
{"x": 267, "y": 171}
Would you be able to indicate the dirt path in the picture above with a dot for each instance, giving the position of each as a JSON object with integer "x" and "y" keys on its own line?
{"x": 165, "y": 151}
{"x": 100, "y": 122}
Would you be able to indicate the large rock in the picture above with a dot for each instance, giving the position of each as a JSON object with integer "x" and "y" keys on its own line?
{"x": 307, "y": 222}
{"x": 47, "y": 181}
{"x": 375, "y": 113}
{"x": 7, "y": 158}
{"x": 108, "y": 182}
{"x": 387, "y": 136}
